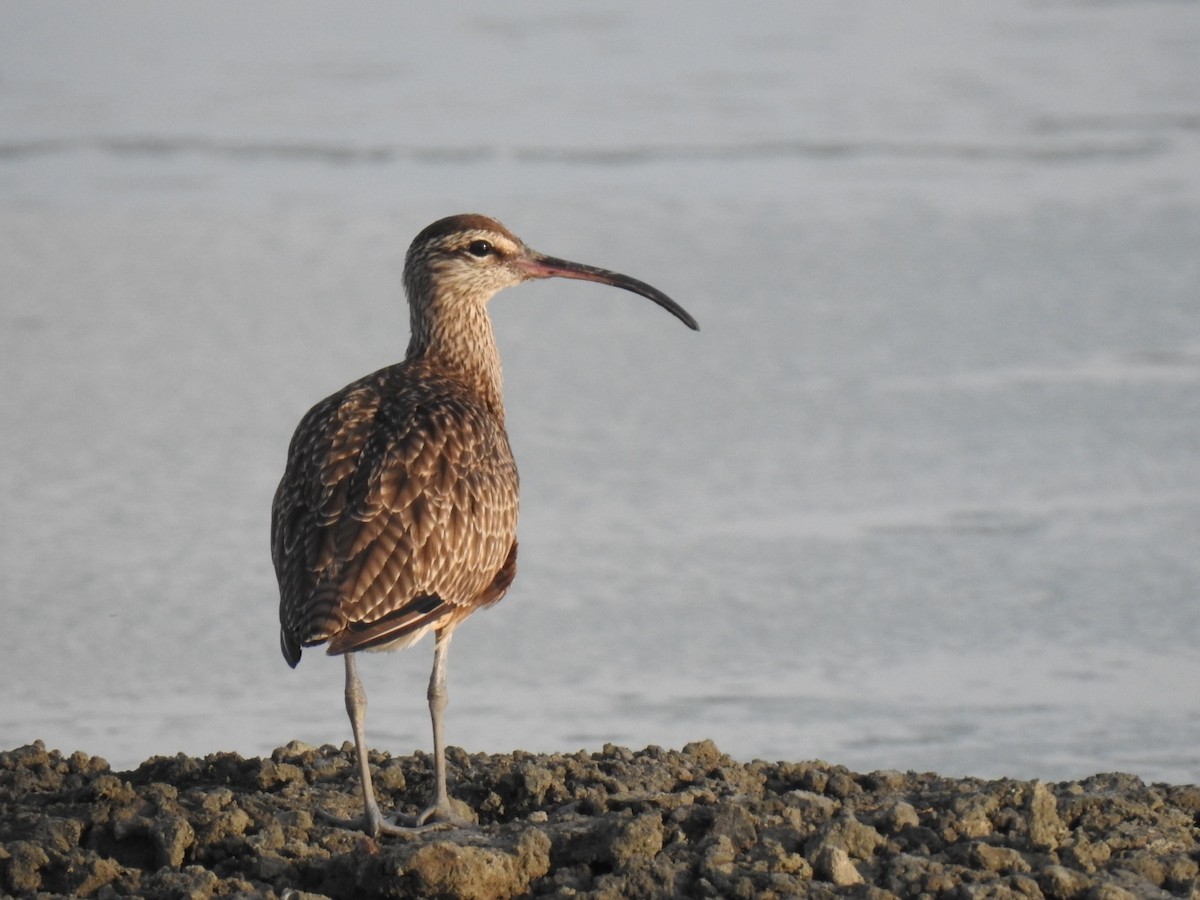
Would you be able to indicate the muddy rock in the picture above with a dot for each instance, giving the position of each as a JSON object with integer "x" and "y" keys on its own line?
{"x": 651, "y": 823}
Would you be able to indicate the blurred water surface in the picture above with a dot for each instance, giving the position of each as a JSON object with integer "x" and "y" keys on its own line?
{"x": 921, "y": 494}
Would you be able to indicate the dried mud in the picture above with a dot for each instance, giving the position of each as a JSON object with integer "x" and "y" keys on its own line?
{"x": 651, "y": 823}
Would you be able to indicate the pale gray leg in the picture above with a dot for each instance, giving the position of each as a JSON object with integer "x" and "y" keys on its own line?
{"x": 372, "y": 821}
{"x": 440, "y": 809}
{"x": 356, "y": 708}
{"x": 440, "y": 813}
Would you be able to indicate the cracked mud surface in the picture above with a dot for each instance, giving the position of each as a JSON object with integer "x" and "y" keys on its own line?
{"x": 617, "y": 823}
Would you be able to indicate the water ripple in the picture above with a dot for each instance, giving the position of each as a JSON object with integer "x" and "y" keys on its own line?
{"x": 341, "y": 154}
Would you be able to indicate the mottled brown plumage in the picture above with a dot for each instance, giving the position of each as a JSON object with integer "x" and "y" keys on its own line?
{"x": 397, "y": 511}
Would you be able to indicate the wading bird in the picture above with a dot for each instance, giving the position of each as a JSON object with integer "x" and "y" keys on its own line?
{"x": 397, "y": 511}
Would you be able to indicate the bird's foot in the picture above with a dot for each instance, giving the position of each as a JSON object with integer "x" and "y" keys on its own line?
{"x": 374, "y": 823}
{"x": 372, "y": 826}
{"x": 443, "y": 815}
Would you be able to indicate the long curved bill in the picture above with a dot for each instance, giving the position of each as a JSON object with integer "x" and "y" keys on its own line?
{"x": 538, "y": 266}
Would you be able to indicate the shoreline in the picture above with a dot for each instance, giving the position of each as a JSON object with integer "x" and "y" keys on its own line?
{"x": 647, "y": 823}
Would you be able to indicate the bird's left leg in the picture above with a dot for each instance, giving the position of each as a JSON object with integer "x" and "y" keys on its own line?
{"x": 372, "y": 820}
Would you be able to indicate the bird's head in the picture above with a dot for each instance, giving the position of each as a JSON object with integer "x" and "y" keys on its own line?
{"x": 471, "y": 257}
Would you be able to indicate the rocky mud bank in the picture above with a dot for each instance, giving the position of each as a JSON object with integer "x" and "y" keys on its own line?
{"x": 618, "y": 823}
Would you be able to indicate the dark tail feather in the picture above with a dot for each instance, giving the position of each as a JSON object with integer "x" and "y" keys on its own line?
{"x": 290, "y": 647}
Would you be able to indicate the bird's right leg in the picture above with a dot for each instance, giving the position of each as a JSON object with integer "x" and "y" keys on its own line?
{"x": 440, "y": 813}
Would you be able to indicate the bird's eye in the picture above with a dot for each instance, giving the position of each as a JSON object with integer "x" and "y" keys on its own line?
{"x": 479, "y": 248}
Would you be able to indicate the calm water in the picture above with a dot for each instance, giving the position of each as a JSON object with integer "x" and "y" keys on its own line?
{"x": 921, "y": 494}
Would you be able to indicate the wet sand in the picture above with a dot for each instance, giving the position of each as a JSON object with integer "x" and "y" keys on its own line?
{"x": 618, "y": 823}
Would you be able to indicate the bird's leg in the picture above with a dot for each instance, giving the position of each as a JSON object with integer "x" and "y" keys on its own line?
{"x": 440, "y": 814}
{"x": 372, "y": 821}
{"x": 440, "y": 810}
{"x": 356, "y": 708}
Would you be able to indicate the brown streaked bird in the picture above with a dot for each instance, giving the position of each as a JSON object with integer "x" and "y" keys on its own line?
{"x": 397, "y": 512}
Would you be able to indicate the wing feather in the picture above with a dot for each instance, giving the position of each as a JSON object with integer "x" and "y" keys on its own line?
{"x": 399, "y": 488}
